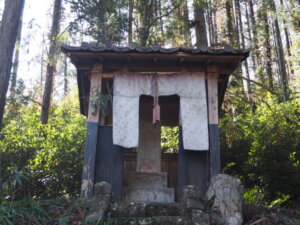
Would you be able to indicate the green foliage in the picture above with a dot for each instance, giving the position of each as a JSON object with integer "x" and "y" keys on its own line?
{"x": 151, "y": 22}
{"x": 13, "y": 183}
{"x": 34, "y": 211}
{"x": 50, "y": 156}
{"x": 279, "y": 201}
{"x": 16, "y": 100}
{"x": 169, "y": 139}
{"x": 253, "y": 196}
{"x": 102, "y": 101}
{"x": 263, "y": 149}
{"x": 26, "y": 211}
{"x": 294, "y": 13}
{"x": 104, "y": 20}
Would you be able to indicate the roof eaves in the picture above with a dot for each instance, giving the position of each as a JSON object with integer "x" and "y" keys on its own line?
{"x": 133, "y": 48}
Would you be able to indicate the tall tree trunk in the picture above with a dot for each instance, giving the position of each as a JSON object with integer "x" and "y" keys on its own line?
{"x": 281, "y": 60}
{"x": 286, "y": 33}
{"x": 66, "y": 78}
{"x": 214, "y": 23}
{"x": 254, "y": 30}
{"x": 209, "y": 21}
{"x": 52, "y": 60}
{"x": 146, "y": 15}
{"x": 200, "y": 26}
{"x": 233, "y": 39}
{"x": 250, "y": 34}
{"x": 266, "y": 62}
{"x": 186, "y": 28}
{"x": 130, "y": 20}
{"x": 237, "y": 23}
{"x": 268, "y": 52}
{"x": 8, "y": 36}
{"x": 230, "y": 30}
{"x": 252, "y": 18}
{"x": 161, "y": 24}
{"x": 13, "y": 81}
{"x": 181, "y": 28}
{"x": 287, "y": 39}
{"x": 241, "y": 31}
{"x": 42, "y": 62}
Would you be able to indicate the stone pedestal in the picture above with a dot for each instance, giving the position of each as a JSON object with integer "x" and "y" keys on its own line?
{"x": 148, "y": 187}
{"x": 148, "y": 179}
{"x": 148, "y": 184}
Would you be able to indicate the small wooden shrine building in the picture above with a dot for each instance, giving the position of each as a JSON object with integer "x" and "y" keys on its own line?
{"x": 149, "y": 88}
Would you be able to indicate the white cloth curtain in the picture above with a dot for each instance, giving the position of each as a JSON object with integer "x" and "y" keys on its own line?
{"x": 190, "y": 87}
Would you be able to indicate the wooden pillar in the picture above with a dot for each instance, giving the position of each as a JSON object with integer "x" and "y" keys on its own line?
{"x": 92, "y": 134}
{"x": 213, "y": 119}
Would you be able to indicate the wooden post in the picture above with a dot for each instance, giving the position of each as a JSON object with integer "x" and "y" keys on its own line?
{"x": 213, "y": 119}
{"x": 92, "y": 134}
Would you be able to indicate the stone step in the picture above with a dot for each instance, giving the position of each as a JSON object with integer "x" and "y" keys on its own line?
{"x": 148, "y": 179}
{"x": 159, "y": 220}
{"x": 148, "y": 195}
{"x": 166, "y": 209}
{"x": 122, "y": 209}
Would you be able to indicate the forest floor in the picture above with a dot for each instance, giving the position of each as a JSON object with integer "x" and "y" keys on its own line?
{"x": 254, "y": 215}
{"x": 66, "y": 211}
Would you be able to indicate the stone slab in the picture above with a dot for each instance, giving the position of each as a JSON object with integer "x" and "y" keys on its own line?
{"x": 166, "y": 209}
{"x": 159, "y": 220}
{"x": 148, "y": 179}
{"x": 122, "y": 209}
{"x": 147, "y": 195}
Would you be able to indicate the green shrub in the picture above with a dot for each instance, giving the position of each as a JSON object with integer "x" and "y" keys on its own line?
{"x": 263, "y": 149}
{"x": 49, "y": 155}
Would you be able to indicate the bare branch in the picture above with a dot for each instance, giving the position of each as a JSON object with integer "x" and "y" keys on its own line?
{"x": 165, "y": 14}
{"x": 257, "y": 83}
{"x": 32, "y": 100}
{"x": 70, "y": 26}
{"x": 263, "y": 86}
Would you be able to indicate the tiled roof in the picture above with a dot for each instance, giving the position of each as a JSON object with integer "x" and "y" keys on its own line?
{"x": 134, "y": 48}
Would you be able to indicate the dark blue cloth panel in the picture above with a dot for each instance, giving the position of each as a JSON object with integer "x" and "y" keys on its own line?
{"x": 109, "y": 161}
{"x": 193, "y": 167}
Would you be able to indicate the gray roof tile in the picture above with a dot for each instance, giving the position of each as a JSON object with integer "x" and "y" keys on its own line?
{"x": 134, "y": 48}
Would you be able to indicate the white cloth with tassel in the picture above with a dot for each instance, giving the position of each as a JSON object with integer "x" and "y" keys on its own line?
{"x": 190, "y": 87}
